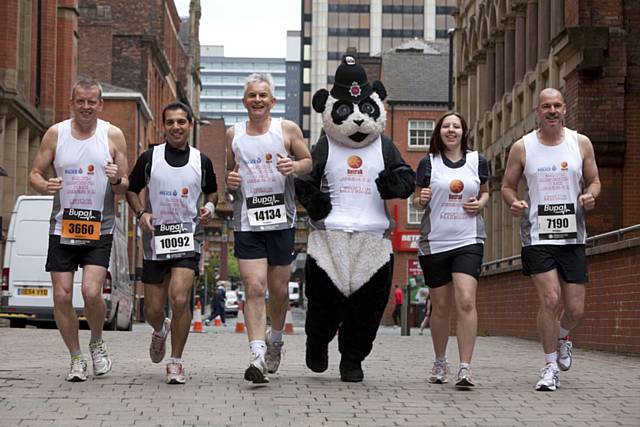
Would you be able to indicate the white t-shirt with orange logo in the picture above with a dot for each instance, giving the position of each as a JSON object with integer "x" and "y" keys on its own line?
{"x": 350, "y": 176}
{"x": 445, "y": 224}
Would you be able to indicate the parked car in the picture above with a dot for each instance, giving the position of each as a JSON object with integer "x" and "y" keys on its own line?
{"x": 294, "y": 294}
{"x": 27, "y": 292}
{"x": 231, "y": 305}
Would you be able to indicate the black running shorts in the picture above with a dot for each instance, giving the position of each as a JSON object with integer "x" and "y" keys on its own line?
{"x": 65, "y": 258}
{"x": 154, "y": 272}
{"x": 569, "y": 260}
{"x": 438, "y": 267}
{"x": 276, "y": 246}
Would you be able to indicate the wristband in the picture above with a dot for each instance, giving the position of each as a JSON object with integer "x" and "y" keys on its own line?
{"x": 210, "y": 207}
{"x": 139, "y": 214}
{"x": 118, "y": 182}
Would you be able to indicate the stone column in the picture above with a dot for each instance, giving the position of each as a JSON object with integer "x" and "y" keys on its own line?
{"x": 544, "y": 22}
{"x": 521, "y": 43}
{"x": 498, "y": 87}
{"x": 532, "y": 35}
{"x": 482, "y": 94}
{"x": 509, "y": 57}
{"x": 8, "y": 183}
{"x": 491, "y": 77}
{"x": 472, "y": 95}
{"x": 22, "y": 159}
{"x": 557, "y": 17}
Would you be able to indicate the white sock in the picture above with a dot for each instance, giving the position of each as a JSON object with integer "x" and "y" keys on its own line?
{"x": 465, "y": 365}
{"x": 162, "y": 332}
{"x": 276, "y": 336}
{"x": 176, "y": 360}
{"x": 441, "y": 359}
{"x": 563, "y": 333}
{"x": 551, "y": 358}
{"x": 258, "y": 347}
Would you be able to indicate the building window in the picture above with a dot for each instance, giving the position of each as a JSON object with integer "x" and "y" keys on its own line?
{"x": 420, "y": 133}
{"x": 414, "y": 216}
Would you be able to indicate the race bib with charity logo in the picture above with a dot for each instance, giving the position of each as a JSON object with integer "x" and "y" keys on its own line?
{"x": 80, "y": 226}
{"x": 557, "y": 221}
{"x": 173, "y": 241}
{"x": 266, "y": 210}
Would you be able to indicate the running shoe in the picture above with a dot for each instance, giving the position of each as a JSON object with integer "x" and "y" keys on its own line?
{"x": 464, "y": 378}
{"x": 274, "y": 353}
{"x": 100, "y": 358}
{"x": 257, "y": 370}
{"x": 78, "y": 370}
{"x": 548, "y": 378}
{"x": 564, "y": 353}
{"x": 439, "y": 372}
{"x": 175, "y": 373}
{"x": 158, "y": 345}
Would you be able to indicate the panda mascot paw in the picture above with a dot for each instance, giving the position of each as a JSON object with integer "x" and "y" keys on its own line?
{"x": 317, "y": 203}
{"x": 396, "y": 183}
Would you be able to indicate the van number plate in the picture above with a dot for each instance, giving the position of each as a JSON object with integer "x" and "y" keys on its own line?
{"x": 33, "y": 292}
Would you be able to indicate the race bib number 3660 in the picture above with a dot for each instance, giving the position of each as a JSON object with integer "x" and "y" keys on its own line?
{"x": 80, "y": 226}
{"x": 557, "y": 221}
{"x": 266, "y": 210}
{"x": 173, "y": 240}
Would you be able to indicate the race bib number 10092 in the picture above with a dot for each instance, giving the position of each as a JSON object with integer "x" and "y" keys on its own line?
{"x": 557, "y": 221}
{"x": 266, "y": 210}
{"x": 173, "y": 240}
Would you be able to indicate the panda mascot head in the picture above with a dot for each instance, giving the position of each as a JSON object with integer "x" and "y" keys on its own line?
{"x": 353, "y": 113}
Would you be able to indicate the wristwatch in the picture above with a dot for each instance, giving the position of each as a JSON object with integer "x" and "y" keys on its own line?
{"x": 139, "y": 214}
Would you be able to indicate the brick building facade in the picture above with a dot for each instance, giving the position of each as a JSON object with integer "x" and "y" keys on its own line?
{"x": 38, "y": 41}
{"x": 506, "y": 52}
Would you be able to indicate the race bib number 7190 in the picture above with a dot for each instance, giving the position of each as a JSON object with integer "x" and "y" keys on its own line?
{"x": 557, "y": 221}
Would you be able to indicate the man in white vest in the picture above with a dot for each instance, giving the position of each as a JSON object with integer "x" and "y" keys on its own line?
{"x": 175, "y": 176}
{"x": 562, "y": 183}
{"x": 263, "y": 154}
{"x": 89, "y": 159}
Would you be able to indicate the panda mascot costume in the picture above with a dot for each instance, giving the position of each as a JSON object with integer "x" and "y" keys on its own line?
{"x": 349, "y": 256}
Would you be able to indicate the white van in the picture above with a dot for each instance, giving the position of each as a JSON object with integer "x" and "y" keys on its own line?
{"x": 27, "y": 292}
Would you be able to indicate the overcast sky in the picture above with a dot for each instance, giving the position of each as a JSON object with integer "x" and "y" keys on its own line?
{"x": 253, "y": 28}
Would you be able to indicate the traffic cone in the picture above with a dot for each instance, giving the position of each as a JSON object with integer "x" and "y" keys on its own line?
{"x": 288, "y": 322}
{"x": 217, "y": 321}
{"x": 240, "y": 320}
{"x": 197, "y": 319}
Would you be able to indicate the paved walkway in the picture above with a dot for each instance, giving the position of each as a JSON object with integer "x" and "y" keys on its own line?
{"x": 600, "y": 390}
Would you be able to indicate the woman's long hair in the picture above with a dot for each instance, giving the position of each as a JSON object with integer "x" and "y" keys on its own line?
{"x": 436, "y": 146}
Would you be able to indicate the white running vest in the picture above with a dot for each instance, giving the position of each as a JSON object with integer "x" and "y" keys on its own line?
{"x": 83, "y": 209}
{"x": 173, "y": 195}
{"x": 265, "y": 200}
{"x": 445, "y": 224}
{"x": 553, "y": 176}
{"x": 350, "y": 176}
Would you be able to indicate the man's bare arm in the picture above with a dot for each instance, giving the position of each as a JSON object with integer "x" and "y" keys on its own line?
{"x": 512, "y": 175}
{"x": 116, "y": 137}
{"x": 589, "y": 174}
{"x": 43, "y": 160}
{"x": 302, "y": 164}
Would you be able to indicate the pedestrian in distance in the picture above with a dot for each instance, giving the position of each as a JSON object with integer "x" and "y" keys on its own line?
{"x": 263, "y": 154}
{"x": 397, "y": 296}
{"x": 562, "y": 184}
{"x": 452, "y": 189}
{"x": 218, "y": 306}
{"x": 89, "y": 160}
{"x": 175, "y": 176}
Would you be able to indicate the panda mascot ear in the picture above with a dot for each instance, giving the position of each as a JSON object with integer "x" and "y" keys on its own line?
{"x": 378, "y": 87}
{"x": 320, "y": 100}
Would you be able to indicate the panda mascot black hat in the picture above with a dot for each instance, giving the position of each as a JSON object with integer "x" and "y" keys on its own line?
{"x": 349, "y": 265}
{"x": 351, "y": 82}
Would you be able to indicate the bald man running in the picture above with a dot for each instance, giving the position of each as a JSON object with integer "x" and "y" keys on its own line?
{"x": 562, "y": 183}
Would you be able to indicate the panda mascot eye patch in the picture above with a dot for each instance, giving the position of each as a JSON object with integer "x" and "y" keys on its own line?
{"x": 341, "y": 111}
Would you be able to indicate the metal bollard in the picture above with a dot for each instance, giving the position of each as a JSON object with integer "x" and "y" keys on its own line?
{"x": 405, "y": 329}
